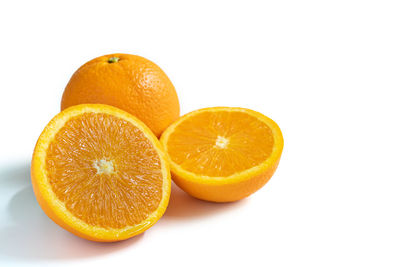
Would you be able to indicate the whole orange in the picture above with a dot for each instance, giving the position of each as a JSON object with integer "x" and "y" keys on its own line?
{"x": 129, "y": 82}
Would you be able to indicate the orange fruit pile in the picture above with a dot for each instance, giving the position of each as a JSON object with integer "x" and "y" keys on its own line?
{"x": 99, "y": 171}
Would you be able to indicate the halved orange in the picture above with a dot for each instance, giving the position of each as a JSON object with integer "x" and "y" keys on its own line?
{"x": 100, "y": 173}
{"x": 223, "y": 154}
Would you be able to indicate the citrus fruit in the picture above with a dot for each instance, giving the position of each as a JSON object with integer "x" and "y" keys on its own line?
{"x": 100, "y": 173}
{"x": 131, "y": 83}
{"x": 222, "y": 154}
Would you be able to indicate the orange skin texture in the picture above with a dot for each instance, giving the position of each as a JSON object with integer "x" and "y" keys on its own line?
{"x": 133, "y": 83}
{"x": 225, "y": 192}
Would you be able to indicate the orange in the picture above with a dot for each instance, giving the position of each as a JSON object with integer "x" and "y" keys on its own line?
{"x": 222, "y": 154}
{"x": 131, "y": 83}
{"x": 100, "y": 173}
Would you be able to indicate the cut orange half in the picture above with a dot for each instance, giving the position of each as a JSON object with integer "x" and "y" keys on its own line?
{"x": 223, "y": 154}
{"x": 100, "y": 173}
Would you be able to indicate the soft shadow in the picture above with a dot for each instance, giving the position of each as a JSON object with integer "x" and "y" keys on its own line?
{"x": 14, "y": 175}
{"x": 31, "y": 236}
{"x": 184, "y": 207}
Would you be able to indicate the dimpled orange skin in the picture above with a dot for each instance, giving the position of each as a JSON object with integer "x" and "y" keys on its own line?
{"x": 129, "y": 82}
{"x": 228, "y": 192}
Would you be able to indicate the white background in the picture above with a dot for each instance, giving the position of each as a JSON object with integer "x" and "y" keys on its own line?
{"x": 326, "y": 71}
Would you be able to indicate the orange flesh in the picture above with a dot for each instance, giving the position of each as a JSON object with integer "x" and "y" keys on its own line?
{"x": 105, "y": 171}
{"x": 219, "y": 144}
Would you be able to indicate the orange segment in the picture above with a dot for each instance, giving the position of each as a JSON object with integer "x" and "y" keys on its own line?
{"x": 100, "y": 173}
{"x": 223, "y": 154}
{"x": 218, "y": 146}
